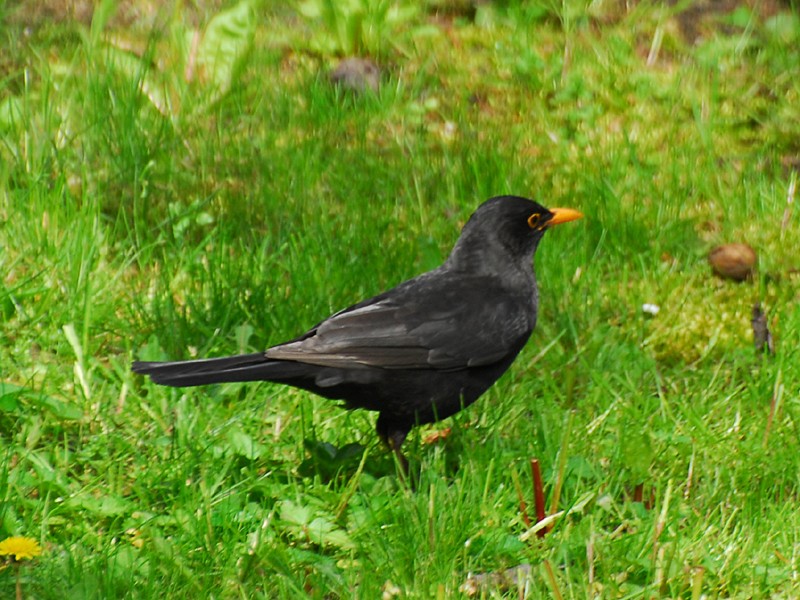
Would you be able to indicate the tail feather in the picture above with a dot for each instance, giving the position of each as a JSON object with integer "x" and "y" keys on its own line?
{"x": 244, "y": 367}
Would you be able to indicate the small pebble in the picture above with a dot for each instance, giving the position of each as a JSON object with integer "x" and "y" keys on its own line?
{"x": 733, "y": 261}
{"x": 357, "y": 75}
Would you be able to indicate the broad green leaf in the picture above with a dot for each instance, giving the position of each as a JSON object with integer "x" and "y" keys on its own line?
{"x": 63, "y": 410}
{"x": 295, "y": 513}
{"x": 226, "y": 43}
{"x": 323, "y": 532}
{"x": 244, "y": 445}
{"x": 8, "y": 403}
{"x": 305, "y": 523}
{"x": 137, "y": 70}
{"x": 104, "y": 506}
{"x": 10, "y": 389}
{"x": 637, "y": 453}
{"x": 152, "y": 350}
{"x": 10, "y": 393}
{"x": 47, "y": 475}
{"x": 310, "y": 9}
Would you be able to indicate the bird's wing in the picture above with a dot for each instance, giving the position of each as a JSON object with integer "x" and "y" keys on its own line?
{"x": 434, "y": 324}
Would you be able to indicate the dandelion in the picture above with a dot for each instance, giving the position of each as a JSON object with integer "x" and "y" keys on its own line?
{"x": 15, "y": 550}
{"x": 20, "y": 548}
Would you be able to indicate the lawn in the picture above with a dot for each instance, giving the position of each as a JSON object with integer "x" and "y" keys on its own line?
{"x": 187, "y": 182}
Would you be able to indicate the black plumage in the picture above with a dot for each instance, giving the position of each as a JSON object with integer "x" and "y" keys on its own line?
{"x": 420, "y": 351}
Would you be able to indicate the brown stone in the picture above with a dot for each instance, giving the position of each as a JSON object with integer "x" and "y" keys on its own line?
{"x": 733, "y": 261}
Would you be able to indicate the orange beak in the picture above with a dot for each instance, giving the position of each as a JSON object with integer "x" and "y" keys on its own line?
{"x": 563, "y": 215}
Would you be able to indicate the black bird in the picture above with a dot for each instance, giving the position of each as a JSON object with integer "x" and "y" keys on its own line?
{"x": 421, "y": 351}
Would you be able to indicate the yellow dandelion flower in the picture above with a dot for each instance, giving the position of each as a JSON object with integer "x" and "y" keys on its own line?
{"x": 21, "y": 548}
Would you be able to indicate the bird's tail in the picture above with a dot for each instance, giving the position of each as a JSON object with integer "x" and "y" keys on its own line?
{"x": 244, "y": 367}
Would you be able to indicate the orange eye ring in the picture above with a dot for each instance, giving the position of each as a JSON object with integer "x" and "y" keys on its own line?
{"x": 533, "y": 220}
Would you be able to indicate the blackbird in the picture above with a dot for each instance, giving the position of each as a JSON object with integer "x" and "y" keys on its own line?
{"x": 421, "y": 351}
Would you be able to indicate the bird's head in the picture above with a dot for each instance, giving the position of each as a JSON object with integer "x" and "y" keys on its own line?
{"x": 507, "y": 228}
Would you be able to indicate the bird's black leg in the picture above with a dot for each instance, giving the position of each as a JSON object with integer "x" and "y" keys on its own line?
{"x": 394, "y": 433}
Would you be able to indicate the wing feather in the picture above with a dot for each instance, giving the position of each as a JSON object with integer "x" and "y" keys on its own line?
{"x": 450, "y": 325}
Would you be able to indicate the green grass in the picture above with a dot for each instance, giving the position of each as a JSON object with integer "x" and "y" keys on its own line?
{"x": 129, "y": 234}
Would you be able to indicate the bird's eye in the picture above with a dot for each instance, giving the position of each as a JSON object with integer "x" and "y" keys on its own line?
{"x": 533, "y": 220}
